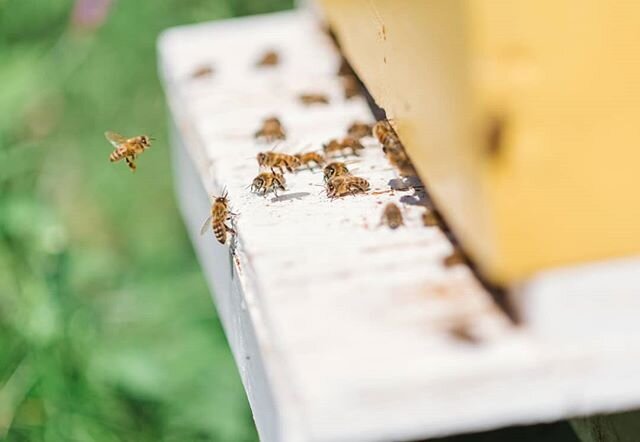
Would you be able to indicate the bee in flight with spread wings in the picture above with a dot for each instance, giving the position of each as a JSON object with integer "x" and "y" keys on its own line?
{"x": 127, "y": 148}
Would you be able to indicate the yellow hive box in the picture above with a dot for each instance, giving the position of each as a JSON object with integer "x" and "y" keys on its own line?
{"x": 522, "y": 116}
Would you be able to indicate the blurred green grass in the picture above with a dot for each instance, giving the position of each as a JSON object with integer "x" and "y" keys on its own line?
{"x": 107, "y": 330}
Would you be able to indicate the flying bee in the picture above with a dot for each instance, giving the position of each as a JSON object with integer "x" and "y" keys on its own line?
{"x": 307, "y": 158}
{"x": 335, "y": 169}
{"x": 392, "y": 216}
{"x": 308, "y": 99}
{"x": 359, "y": 130}
{"x": 271, "y": 130}
{"x": 220, "y": 214}
{"x": 277, "y": 160}
{"x": 269, "y": 58}
{"x": 267, "y": 182}
{"x": 346, "y": 185}
{"x": 350, "y": 86}
{"x": 338, "y": 147}
{"x": 127, "y": 148}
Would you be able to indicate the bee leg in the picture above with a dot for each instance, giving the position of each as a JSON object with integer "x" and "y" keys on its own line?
{"x": 229, "y": 229}
{"x": 130, "y": 163}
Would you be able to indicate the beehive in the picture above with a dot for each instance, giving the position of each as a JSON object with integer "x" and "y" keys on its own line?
{"x": 520, "y": 115}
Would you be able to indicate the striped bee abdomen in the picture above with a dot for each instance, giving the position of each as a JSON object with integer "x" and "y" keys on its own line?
{"x": 220, "y": 232}
{"x": 118, "y": 154}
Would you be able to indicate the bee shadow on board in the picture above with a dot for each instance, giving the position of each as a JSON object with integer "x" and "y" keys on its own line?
{"x": 419, "y": 196}
{"x": 290, "y": 197}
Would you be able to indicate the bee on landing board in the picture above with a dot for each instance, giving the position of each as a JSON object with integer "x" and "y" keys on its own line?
{"x": 335, "y": 169}
{"x": 203, "y": 71}
{"x": 271, "y": 130}
{"x": 308, "y": 99}
{"x": 359, "y": 130}
{"x": 350, "y": 86}
{"x": 127, "y": 148}
{"x": 430, "y": 219}
{"x": 392, "y": 216}
{"x": 277, "y": 160}
{"x": 462, "y": 331}
{"x": 338, "y": 147}
{"x": 307, "y": 158}
{"x": 346, "y": 185}
{"x": 267, "y": 182}
{"x": 454, "y": 259}
{"x": 220, "y": 214}
{"x": 392, "y": 147}
{"x": 269, "y": 58}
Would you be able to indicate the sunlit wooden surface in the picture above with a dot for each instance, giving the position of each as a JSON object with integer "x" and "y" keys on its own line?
{"x": 342, "y": 329}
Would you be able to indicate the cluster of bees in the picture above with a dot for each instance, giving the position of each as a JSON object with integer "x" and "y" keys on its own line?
{"x": 338, "y": 179}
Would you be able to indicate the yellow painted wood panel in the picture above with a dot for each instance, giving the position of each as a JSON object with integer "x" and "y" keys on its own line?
{"x": 523, "y": 118}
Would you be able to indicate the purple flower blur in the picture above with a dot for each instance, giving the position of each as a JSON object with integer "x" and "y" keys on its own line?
{"x": 90, "y": 14}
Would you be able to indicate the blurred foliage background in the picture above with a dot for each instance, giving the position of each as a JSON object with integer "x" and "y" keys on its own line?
{"x": 107, "y": 330}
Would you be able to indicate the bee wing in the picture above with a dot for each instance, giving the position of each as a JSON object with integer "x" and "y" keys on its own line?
{"x": 115, "y": 138}
{"x": 205, "y": 225}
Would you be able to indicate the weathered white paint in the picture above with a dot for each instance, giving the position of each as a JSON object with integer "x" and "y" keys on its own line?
{"x": 345, "y": 324}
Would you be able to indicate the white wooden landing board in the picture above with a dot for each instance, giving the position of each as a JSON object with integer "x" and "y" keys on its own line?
{"x": 340, "y": 327}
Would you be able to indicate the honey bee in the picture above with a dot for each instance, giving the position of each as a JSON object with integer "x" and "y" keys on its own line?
{"x": 392, "y": 147}
{"x": 277, "y": 160}
{"x": 335, "y": 169}
{"x": 307, "y": 158}
{"x": 267, "y": 182}
{"x": 392, "y": 216}
{"x": 346, "y": 185}
{"x": 387, "y": 136}
{"x": 271, "y": 130}
{"x": 430, "y": 219}
{"x": 308, "y": 99}
{"x": 338, "y": 147}
{"x": 359, "y": 130}
{"x": 127, "y": 148}
{"x": 220, "y": 214}
{"x": 455, "y": 258}
{"x": 344, "y": 68}
{"x": 350, "y": 86}
{"x": 269, "y": 58}
{"x": 202, "y": 72}
{"x": 462, "y": 331}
